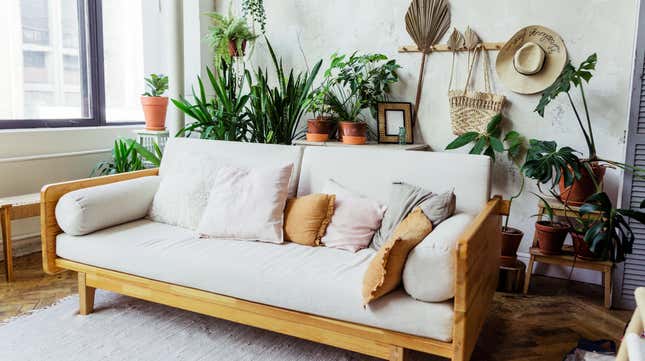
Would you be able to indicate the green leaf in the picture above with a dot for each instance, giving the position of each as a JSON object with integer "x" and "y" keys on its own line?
{"x": 462, "y": 140}
{"x": 494, "y": 123}
{"x": 496, "y": 144}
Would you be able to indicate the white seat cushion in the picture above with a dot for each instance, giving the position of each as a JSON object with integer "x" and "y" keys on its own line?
{"x": 317, "y": 280}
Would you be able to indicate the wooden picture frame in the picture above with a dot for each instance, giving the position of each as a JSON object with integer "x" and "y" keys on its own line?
{"x": 391, "y": 116}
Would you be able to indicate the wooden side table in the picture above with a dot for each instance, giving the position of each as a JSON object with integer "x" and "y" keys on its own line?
{"x": 23, "y": 206}
{"x": 567, "y": 258}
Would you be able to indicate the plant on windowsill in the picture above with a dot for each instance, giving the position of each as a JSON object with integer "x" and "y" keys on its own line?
{"x": 228, "y": 36}
{"x": 356, "y": 83}
{"x": 154, "y": 103}
{"x": 491, "y": 143}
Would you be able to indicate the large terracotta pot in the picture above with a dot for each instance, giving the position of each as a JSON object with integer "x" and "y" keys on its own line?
{"x": 551, "y": 236}
{"x": 154, "y": 110}
{"x": 511, "y": 239}
{"x": 352, "y": 132}
{"x": 318, "y": 129}
{"x": 582, "y": 188}
{"x": 580, "y": 247}
{"x": 232, "y": 47}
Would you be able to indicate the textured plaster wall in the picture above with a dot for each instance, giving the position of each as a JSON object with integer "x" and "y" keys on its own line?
{"x": 304, "y": 31}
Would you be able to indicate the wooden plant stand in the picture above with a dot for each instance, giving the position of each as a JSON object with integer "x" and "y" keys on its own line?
{"x": 12, "y": 208}
{"x": 567, "y": 258}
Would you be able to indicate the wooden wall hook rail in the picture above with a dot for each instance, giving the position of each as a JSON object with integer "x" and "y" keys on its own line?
{"x": 444, "y": 47}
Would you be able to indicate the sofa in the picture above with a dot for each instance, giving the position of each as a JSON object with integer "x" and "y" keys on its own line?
{"x": 308, "y": 292}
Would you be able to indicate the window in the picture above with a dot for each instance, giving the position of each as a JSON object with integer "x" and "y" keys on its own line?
{"x": 71, "y": 63}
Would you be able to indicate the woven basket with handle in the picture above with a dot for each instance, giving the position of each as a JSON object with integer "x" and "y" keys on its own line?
{"x": 472, "y": 110}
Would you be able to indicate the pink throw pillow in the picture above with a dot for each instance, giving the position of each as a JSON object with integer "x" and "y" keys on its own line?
{"x": 355, "y": 219}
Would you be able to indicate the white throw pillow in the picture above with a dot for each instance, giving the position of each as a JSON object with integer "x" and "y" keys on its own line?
{"x": 429, "y": 271}
{"x": 247, "y": 204}
{"x": 355, "y": 219}
{"x": 184, "y": 190}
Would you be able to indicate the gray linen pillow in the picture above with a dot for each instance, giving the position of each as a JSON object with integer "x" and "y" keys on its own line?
{"x": 403, "y": 199}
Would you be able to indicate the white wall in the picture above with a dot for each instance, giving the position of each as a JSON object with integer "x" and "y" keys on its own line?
{"x": 603, "y": 26}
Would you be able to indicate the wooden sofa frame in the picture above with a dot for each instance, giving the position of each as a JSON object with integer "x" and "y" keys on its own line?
{"x": 477, "y": 264}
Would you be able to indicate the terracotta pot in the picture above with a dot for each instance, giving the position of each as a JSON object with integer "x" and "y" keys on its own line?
{"x": 352, "y": 132}
{"x": 582, "y": 188}
{"x": 511, "y": 238}
{"x": 232, "y": 47}
{"x": 318, "y": 129}
{"x": 580, "y": 247}
{"x": 154, "y": 110}
{"x": 551, "y": 236}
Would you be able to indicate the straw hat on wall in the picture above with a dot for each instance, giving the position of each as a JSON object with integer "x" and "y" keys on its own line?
{"x": 531, "y": 60}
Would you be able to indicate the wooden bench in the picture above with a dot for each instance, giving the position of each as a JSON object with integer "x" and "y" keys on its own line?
{"x": 11, "y": 208}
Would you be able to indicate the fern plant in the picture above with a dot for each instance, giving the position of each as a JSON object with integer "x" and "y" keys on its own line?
{"x": 224, "y": 30}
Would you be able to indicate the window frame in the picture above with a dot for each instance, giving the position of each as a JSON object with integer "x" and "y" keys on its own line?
{"x": 91, "y": 41}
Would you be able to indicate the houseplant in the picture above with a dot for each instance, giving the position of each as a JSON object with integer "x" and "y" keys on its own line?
{"x": 154, "y": 103}
{"x": 491, "y": 143}
{"x": 228, "y": 36}
{"x": 222, "y": 117}
{"x": 275, "y": 111}
{"x": 550, "y": 234}
{"x": 127, "y": 155}
{"x": 254, "y": 10}
{"x": 356, "y": 83}
{"x": 587, "y": 179}
{"x": 322, "y": 126}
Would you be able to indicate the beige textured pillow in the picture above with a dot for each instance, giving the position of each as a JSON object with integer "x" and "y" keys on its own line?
{"x": 385, "y": 271}
{"x": 306, "y": 218}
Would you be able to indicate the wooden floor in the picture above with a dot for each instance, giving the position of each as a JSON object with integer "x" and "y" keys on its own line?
{"x": 542, "y": 326}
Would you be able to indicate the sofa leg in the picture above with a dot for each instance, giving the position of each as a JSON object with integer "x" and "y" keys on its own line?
{"x": 398, "y": 354}
{"x": 85, "y": 295}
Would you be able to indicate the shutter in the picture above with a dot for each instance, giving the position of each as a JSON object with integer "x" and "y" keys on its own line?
{"x": 633, "y": 270}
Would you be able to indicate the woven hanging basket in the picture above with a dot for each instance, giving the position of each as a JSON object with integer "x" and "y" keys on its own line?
{"x": 470, "y": 111}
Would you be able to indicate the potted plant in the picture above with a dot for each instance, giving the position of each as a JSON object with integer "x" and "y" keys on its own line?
{"x": 321, "y": 128}
{"x": 154, "y": 103}
{"x": 610, "y": 236}
{"x": 550, "y": 234}
{"x": 356, "y": 83}
{"x": 490, "y": 142}
{"x": 588, "y": 178}
{"x": 580, "y": 247}
{"x": 228, "y": 36}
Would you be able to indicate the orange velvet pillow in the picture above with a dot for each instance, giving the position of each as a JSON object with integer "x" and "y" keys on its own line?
{"x": 306, "y": 218}
{"x": 384, "y": 273}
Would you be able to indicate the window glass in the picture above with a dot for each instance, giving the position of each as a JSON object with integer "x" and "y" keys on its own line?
{"x": 41, "y": 66}
{"x": 123, "y": 60}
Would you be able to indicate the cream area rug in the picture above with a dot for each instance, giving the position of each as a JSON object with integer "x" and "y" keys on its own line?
{"x": 124, "y": 328}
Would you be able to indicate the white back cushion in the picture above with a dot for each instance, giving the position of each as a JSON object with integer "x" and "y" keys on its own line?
{"x": 248, "y": 155}
{"x": 189, "y": 168}
{"x": 372, "y": 171}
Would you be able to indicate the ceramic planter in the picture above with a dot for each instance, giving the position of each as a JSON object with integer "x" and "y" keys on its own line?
{"x": 511, "y": 239}
{"x": 352, "y": 132}
{"x": 551, "y": 236}
{"x": 580, "y": 247}
{"x": 232, "y": 48}
{"x": 154, "y": 111}
{"x": 318, "y": 129}
{"x": 582, "y": 188}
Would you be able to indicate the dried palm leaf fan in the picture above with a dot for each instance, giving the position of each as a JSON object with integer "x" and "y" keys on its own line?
{"x": 426, "y": 21}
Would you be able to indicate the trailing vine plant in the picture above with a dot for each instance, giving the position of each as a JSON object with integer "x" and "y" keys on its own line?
{"x": 254, "y": 10}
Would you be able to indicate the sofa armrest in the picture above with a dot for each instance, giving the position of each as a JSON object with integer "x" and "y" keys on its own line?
{"x": 49, "y": 196}
{"x": 477, "y": 269}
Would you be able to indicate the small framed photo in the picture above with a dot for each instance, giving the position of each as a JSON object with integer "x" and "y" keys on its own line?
{"x": 391, "y": 117}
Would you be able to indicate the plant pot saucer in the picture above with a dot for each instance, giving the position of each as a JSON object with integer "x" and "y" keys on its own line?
{"x": 507, "y": 261}
{"x": 313, "y": 137}
{"x": 354, "y": 140}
